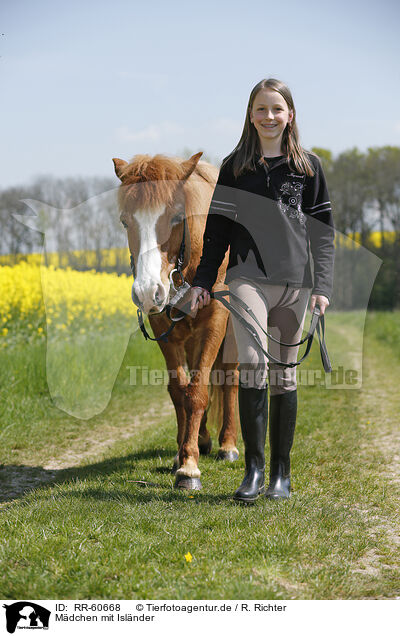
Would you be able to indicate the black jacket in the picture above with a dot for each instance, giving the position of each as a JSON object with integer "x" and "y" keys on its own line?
{"x": 270, "y": 219}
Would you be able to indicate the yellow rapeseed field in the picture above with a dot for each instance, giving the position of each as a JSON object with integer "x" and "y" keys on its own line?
{"x": 89, "y": 258}
{"x": 69, "y": 299}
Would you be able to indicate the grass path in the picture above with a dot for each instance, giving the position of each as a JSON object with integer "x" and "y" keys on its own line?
{"x": 379, "y": 445}
{"x": 93, "y": 531}
{"x": 17, "y": 479}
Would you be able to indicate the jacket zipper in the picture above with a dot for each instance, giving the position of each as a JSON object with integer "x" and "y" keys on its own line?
{"x": 267, "y": 172}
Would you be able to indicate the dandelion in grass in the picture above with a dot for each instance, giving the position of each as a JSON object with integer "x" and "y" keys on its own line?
{"x": 188, "y": 557}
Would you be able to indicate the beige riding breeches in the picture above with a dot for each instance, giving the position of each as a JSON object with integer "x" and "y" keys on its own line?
{"x": 281, "y": 310}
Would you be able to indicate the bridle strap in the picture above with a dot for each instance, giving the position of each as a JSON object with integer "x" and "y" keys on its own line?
{"x": 164, "y": 336}
{"x": 132, "y": 265}
{"x": 181, "y": 256}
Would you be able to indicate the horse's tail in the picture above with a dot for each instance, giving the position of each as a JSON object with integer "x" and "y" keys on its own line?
{"x": 220, "y": 373}
{"x": 215, "y": 408}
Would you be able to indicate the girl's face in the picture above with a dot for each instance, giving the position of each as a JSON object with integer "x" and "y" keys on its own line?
{"x": 270, "y": 115}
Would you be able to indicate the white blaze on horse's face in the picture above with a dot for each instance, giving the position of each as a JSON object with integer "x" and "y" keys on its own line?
{"x": 148, "y": 286}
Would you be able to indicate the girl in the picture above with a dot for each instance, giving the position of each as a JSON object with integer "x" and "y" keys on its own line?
{"x": 270, "y": 206}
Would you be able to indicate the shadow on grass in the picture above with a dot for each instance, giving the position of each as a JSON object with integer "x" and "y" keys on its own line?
{"x": 160, "y": 493}
{"x": 18, "y": 480}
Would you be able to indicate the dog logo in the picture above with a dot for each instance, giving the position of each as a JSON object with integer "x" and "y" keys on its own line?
{"x": 26, "y": 615}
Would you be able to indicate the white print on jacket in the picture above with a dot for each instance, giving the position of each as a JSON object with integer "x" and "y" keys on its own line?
{"x": 291, "y": 206}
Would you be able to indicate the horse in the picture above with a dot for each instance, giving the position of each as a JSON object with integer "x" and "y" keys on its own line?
{"x": 158, "y": 198}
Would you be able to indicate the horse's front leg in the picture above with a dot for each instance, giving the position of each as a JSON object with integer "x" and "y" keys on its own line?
{"x": 206, "y": 345}
{"x": 176, "y": 388}
{"x": 174, "y": 354}
{"x": 196, "y": 400}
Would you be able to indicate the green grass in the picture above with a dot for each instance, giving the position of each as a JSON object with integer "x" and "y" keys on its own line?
{"x": 93, "y": 531}
{"x": 386, "y": 328}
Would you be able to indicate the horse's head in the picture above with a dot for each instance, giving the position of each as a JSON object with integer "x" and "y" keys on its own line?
{"x": 152, "y": 204}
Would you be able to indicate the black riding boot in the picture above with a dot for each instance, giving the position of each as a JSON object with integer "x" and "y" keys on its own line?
{"x": 282, "y": 422}
{"x": 253, "y": 410}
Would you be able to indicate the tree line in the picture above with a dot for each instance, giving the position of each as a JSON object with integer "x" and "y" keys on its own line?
{"x": 364, "y": 188}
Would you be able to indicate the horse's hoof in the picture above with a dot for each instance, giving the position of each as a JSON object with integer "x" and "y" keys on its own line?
{"x": 187, "y": 483}
{"x": 227, "y": 456}
{"x": 205, "y": 449}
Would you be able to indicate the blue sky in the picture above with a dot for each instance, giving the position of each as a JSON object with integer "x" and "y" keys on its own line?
{"x": 82, "y": 82}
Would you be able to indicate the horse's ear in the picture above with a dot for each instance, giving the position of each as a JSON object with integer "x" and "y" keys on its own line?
{"x": 119, "y": 165}
{"x": 190, "y": 164}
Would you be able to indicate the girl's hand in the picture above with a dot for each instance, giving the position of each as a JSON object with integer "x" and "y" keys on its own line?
{"x": 200, "y": 297}
{"x": 322, "y": 301}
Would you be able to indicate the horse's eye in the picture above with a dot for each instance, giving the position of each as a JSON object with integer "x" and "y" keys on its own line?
{"x": 177, "y": 219}
{"x": 124, "y": 224}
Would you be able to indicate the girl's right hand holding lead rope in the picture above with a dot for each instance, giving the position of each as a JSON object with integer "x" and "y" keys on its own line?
{"x": 200, "y": 297}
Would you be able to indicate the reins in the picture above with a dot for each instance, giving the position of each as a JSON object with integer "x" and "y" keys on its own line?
{"x": 317, "y": 324}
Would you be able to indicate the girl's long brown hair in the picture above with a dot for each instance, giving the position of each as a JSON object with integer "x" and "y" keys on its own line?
{"x": 244, "y": 153}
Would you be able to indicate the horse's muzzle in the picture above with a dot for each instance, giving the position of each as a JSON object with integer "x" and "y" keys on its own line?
{"x": 156, "y": 301}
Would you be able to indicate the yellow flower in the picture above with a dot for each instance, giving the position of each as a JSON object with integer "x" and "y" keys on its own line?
{"x": 188, "y": 557}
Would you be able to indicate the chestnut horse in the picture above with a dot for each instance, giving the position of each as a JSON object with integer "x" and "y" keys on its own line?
{"x": 155, "y": 197}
